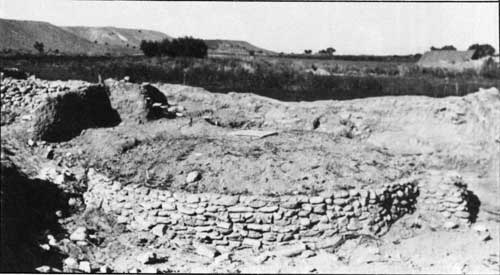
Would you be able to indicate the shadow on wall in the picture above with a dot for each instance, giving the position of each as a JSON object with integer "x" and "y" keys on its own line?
{"x": 473, "y": 204}
{"x": 63, "y": 117}
{"x": 27, "y": 212}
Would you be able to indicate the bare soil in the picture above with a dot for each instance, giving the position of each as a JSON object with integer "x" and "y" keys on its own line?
{"x": 324, "y": 145}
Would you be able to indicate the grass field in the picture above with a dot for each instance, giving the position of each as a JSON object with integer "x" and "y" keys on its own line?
{"x": 280, "y": 78}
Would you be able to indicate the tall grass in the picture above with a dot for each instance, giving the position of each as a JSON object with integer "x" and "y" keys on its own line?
{"x": 280, "y": 80}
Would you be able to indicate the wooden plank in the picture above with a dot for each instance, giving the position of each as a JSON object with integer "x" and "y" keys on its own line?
{"x": 253, "y": 133}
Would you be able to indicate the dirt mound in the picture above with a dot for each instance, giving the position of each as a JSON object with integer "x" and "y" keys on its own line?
{"x": 137, "y": 103}
{"x": 65, "y": 115}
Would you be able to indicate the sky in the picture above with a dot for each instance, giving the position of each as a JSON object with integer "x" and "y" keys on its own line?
{"x": 350, "y": 28}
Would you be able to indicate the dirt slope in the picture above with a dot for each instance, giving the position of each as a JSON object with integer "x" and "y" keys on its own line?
{"x": 220, "y": 46}
{"x": 21, "y": 35}
{"x": 119, "y": 37}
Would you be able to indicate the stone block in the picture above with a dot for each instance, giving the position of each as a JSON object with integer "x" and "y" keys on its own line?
{"x": 239, "y": 209}
{"x": 268, "y": 209}
{"x": 256, "y": 244}
{"x": 316, "y": 200}
{"x": 227, "y": 200}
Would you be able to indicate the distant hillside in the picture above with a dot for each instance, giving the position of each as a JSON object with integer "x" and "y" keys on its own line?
{"x": 118, "y": 37}
{"x": 21, "y": 35}
{"x": 235, "y": 47}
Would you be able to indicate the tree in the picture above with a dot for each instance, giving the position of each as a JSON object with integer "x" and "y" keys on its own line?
{"x": 330, "y": 50}
{"x": 482, "y": 50}
{"x": 327, "y": 51}
{"x": 184, "y": 46}
{"x": 39, "y": 47}
{"x": 150, "y": 48}
{"x": 444, "y": 48}
{"x": 307, "y": 51}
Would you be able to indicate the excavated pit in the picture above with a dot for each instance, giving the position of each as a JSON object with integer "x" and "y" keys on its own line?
{"x": 333, "y": 169}
{"x": 63, "y": 116}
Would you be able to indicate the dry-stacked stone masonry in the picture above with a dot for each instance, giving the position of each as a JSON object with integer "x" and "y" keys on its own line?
{"x": 450, "y": 197}
{"x": 235, "y": 220}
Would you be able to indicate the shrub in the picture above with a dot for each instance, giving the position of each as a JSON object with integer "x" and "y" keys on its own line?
{"x": 482, "y": 50}
{"x": 39, "y": 47}
{"x": 184, "y": 46}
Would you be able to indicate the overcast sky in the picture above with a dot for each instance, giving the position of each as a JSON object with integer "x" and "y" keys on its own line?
{"x": 351, "y": 28}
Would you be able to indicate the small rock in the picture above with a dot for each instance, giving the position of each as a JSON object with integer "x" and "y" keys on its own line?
{"x": 353, "y": 192}
{"x": 71, "y": 263}
{"x": 223, "y": 257}
{"x": 193, "y": 176}
{"x": 146, "y": 258}
{"x": 26, "y": 117}
{"x": 52, "y": 240}
{"x": 308, "y": 254}
{"x": 72, "y": 202}
{"x": 80, "y": 234}
{"x": 305, "y": 222}
{"x": 262, "y": 258}
{"x": 81, "y": 243}
{"x": 332, "y": 242}
{"x": 480, "y": 227}
{"x": 291, "y": 251}
{"x": 341, "y": 194}
{"x": 44, "y": 269}
{"x": 450, "y": 225}
{"x": 269, "y": 209}
{"x": 227, "y": 200}
{"x": 354, "y": 225}
{"x": 187, "y": 211}
{"x": 150, "y": 270}
{"x": 85, "y": 267}
{"x": 252, "y": 243}
{"x": 485, "y": 236}
{"x": 462, "y": 214}
{"x": 105, "y": 269}
{"x": 207, "y": 251}
{"x": 121, "y": 220}
{"x": 316, "y": 200}
{"x": 259, "y": 227}
{"x": 49, "y": 154}
{"x": 239, "y": 209}
{"x": 159, "y": 230}
{"x": 192, "y": 198}
{"x": 224, "y": 225}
